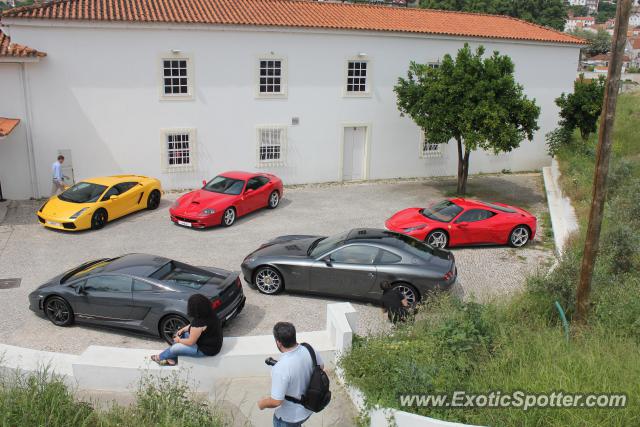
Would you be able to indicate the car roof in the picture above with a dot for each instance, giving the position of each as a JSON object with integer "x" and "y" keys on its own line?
{"x": 372, "y": 235}
{"x": 136, "y": 264}
{"x": 239, "y": 175}
{"x": 115, "y": 179}
{"x": 479, "y": 204}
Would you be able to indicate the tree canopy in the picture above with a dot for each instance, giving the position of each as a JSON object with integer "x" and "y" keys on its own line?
{"x": 550, "y": 13}
{"x": 581, "y": 109}
{"x": 471, "y": 99}
{"x": 599, "y": 42}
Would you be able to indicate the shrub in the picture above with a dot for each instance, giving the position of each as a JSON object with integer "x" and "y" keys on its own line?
{"x": 557, "y": 138}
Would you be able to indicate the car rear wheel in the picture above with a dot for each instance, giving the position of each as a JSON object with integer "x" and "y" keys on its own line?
{"x": 437, "y": 239}
{"x": 268, "y": 280}
{"x": 58, "y": 311}
{"x": 170, "y": 325}
{"x": 153, "y": 201}
{"x": 99, "y": 219}
{"x": 409, "y": 291}
{"x": 228, "y": 217}
{"x": 274, "y": 200}
{"x": 519, "y": 236}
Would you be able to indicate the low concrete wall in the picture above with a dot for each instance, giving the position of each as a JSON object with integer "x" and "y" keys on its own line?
{"x": 563, "y": 216}
{"x": 120, "y": 369}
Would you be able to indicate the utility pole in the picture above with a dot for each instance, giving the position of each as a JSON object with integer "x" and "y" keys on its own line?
{"x": 602, "y": 159}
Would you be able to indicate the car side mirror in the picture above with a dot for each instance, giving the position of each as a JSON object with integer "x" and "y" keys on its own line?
{"x": 113, "y": 197}
{"x": 80, "y": 290}
{"x": 204, "y": 182}
{"x": 328, "y": 261}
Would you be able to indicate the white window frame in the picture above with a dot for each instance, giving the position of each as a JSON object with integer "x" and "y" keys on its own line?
{"x": 430, "y": 154}
{"x": 433, "y": 64}
{"x": 283, "y": 77}
{"x": 367, "y": 91}
{"x": 180, "y": 96}
{"x": 164, "y": 140}
{"x": 283, "y": 146}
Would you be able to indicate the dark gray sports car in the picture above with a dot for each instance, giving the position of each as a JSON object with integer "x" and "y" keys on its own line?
{"x": 351, "y": 265}
{"x": 139, "y": 292}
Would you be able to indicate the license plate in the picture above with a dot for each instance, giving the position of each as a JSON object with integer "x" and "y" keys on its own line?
{"x": 184, "y": 223}
{"x": 55, "y": 224}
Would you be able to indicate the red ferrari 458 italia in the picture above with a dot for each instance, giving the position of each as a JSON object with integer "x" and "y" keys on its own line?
{"x": 226, "y": 197}
{"x": 456, "y": 222}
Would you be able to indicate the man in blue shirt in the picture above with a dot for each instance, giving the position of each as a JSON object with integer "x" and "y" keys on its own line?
{"x": 289, "y": 377}
{"x": 58, "y": 179}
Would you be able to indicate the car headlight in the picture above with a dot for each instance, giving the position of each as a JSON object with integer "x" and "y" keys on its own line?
{"x": 417, "y": 227}
{"x": 208, "y": 212}
{"x": 252, "y": 259}
{"x": 77, "y": 214}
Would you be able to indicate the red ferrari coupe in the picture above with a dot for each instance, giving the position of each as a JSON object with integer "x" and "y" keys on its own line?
{"x": 456, "y": 222}
{"x": 226, "y": 197}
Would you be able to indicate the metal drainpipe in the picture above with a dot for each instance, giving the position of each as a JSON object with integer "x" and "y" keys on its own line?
{"x": 27, "y": 112}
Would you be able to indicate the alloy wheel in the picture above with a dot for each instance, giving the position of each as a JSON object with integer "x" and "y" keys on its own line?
{"x": 409, "y": 293}
{"x": 437, "y": 239}
{"x": 99, "y": 219}
{"x": 268, "y": 280}
{"x": 170, "y": 326}
{"x": 519, "y": 237}
{"x": 274, "y": 199}
{"x": 58, "y": 312}
{"x": 229, "y": 217}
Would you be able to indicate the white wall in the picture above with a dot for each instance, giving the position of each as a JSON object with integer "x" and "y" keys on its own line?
{"x": 14, "y": 165}
{"x": 97, "y": 93}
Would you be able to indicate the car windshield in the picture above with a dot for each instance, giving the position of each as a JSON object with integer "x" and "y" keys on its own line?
{"x": 177, "y": 273}
{"x": 325, "y": 244}
{"x": 224, "y": 185}
{"x": 499, "y": 208}
{"x": 444, "y": 211}
{"x": 83, "y": 192}
{"x": 85, "y": 269}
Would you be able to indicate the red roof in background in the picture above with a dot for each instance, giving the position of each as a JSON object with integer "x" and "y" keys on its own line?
{"x": 296, "y": 13}
{"x": 7, "y": 125}
{"x": 607, "y": 57}
{"x": 14, "y": 50}
{"x": 635, "y": 43}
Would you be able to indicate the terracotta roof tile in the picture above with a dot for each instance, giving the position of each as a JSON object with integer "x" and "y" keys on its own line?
{"x": 295, "y": 13}
{"x": 7, "y": 125}
{"x": 14, "y": 50}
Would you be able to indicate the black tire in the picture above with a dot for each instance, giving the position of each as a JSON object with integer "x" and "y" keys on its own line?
{"x": 268, "y": 280}
{"x": 437, "y": 239}
{"x": 274, "y": 200}
{"x": 519, "y": 236}
{"x": 153, "y": 201}
{"x": 99, "y": 219}
{"x": 58, "y": 311}
{"x": 228, "y": 217}
{"x": 169, "y": 325}
{"x": 409, "y": 291}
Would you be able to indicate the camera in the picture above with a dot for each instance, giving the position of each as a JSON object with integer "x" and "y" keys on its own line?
{"x": 270, "y": 361}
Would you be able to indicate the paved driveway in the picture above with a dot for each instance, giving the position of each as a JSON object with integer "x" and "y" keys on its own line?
{"x": 34, "y": 254}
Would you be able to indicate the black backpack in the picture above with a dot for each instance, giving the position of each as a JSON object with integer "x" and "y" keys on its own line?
{"x": 317, "y": 395}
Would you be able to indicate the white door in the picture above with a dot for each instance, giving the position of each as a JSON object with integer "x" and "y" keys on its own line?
{"x": 353, "y": 157}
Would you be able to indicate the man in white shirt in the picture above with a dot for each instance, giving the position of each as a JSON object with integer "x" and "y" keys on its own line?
{"x": 289, "y": 377}
{"x": 58, "y": 179}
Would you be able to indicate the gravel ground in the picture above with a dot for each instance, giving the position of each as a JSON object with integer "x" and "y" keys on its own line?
{"x": 34, "y": 254}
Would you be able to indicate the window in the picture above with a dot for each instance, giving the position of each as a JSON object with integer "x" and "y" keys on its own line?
{"x": 224, "y": 185}
{"x": 125, "y": 186}
{"x": 355, "y": 254}
{"x": 83, "y": 192}
{"x": 429, "y": 149}
{"x": 177, "y": 273}
{"x": 433, "y": 65}
{"x": 473, "y": 215}
{"x": 176, "y": 78}
{"x": 257, "y": 182}
{"x": 387, "y": 257}
{"x": 271, "y": 145}
{"x": 178, "y": 146}
{"x": 444, "y": 211}
{"x": 357, "y": 73}
{"x": 272, "y": 77}
{"x": 141, "y": 286}
{"x": 108, "y": 284}
{"x": 113, "y": 191}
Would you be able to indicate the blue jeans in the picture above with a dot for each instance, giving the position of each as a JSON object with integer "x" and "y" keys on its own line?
{"x": 277, "y": 422}
{"x": 181, "y": 350}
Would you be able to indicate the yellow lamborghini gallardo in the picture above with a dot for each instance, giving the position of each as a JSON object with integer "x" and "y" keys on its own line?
{"x": 93, "y": 202}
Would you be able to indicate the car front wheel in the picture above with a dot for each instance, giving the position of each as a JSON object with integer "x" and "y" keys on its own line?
{"x": 99, "y": 219}
{"x": 58, "y": 311}
{"x": 268, "y": 280}
{"x": 228, "y": 217}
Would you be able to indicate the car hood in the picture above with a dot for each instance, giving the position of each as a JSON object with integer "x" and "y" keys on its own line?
{"x": 407, "y": 218}
{"x": 195, "y": 201}
{"x": 293, "y": 245}
{"x": 56, "y": 208}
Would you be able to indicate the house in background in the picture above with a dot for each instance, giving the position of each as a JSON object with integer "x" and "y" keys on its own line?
{"x": 632, "y": 49}
{"x": 601, "y": 62}
{"x": 181, "y": 90}
{"x": 579, "y": 22}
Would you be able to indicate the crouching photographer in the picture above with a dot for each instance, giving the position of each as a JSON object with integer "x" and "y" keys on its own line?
{"x": 299, "y": 385}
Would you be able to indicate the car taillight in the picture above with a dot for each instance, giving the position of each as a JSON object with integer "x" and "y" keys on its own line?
{"x": 238, "y": 282}
{"x": 216, "y": 303}
{"x": 448, "y": 276}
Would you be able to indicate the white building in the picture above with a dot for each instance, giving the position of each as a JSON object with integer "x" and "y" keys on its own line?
{"x": 579, "y": 22}
{"x": 183, "y": 89}
{"x": 577, "y": 2}
{"x": 634, "y": 19}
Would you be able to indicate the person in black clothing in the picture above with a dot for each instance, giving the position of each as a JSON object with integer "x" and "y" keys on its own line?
{"x": 394, "y": 303}
{"x": 201, "y": 338}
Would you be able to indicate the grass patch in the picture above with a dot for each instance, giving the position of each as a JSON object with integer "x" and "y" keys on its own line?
{"x": 519, "y": 344}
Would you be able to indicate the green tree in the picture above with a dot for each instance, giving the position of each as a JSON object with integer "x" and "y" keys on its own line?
{"x": 581, "y": 109}
{"x": 606, "y": 11}
{"x": 599, "y": 42}
{"x": 578, "y": 10}
{"x": 471, "y": 99}
{"x": 551, "y": 13}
